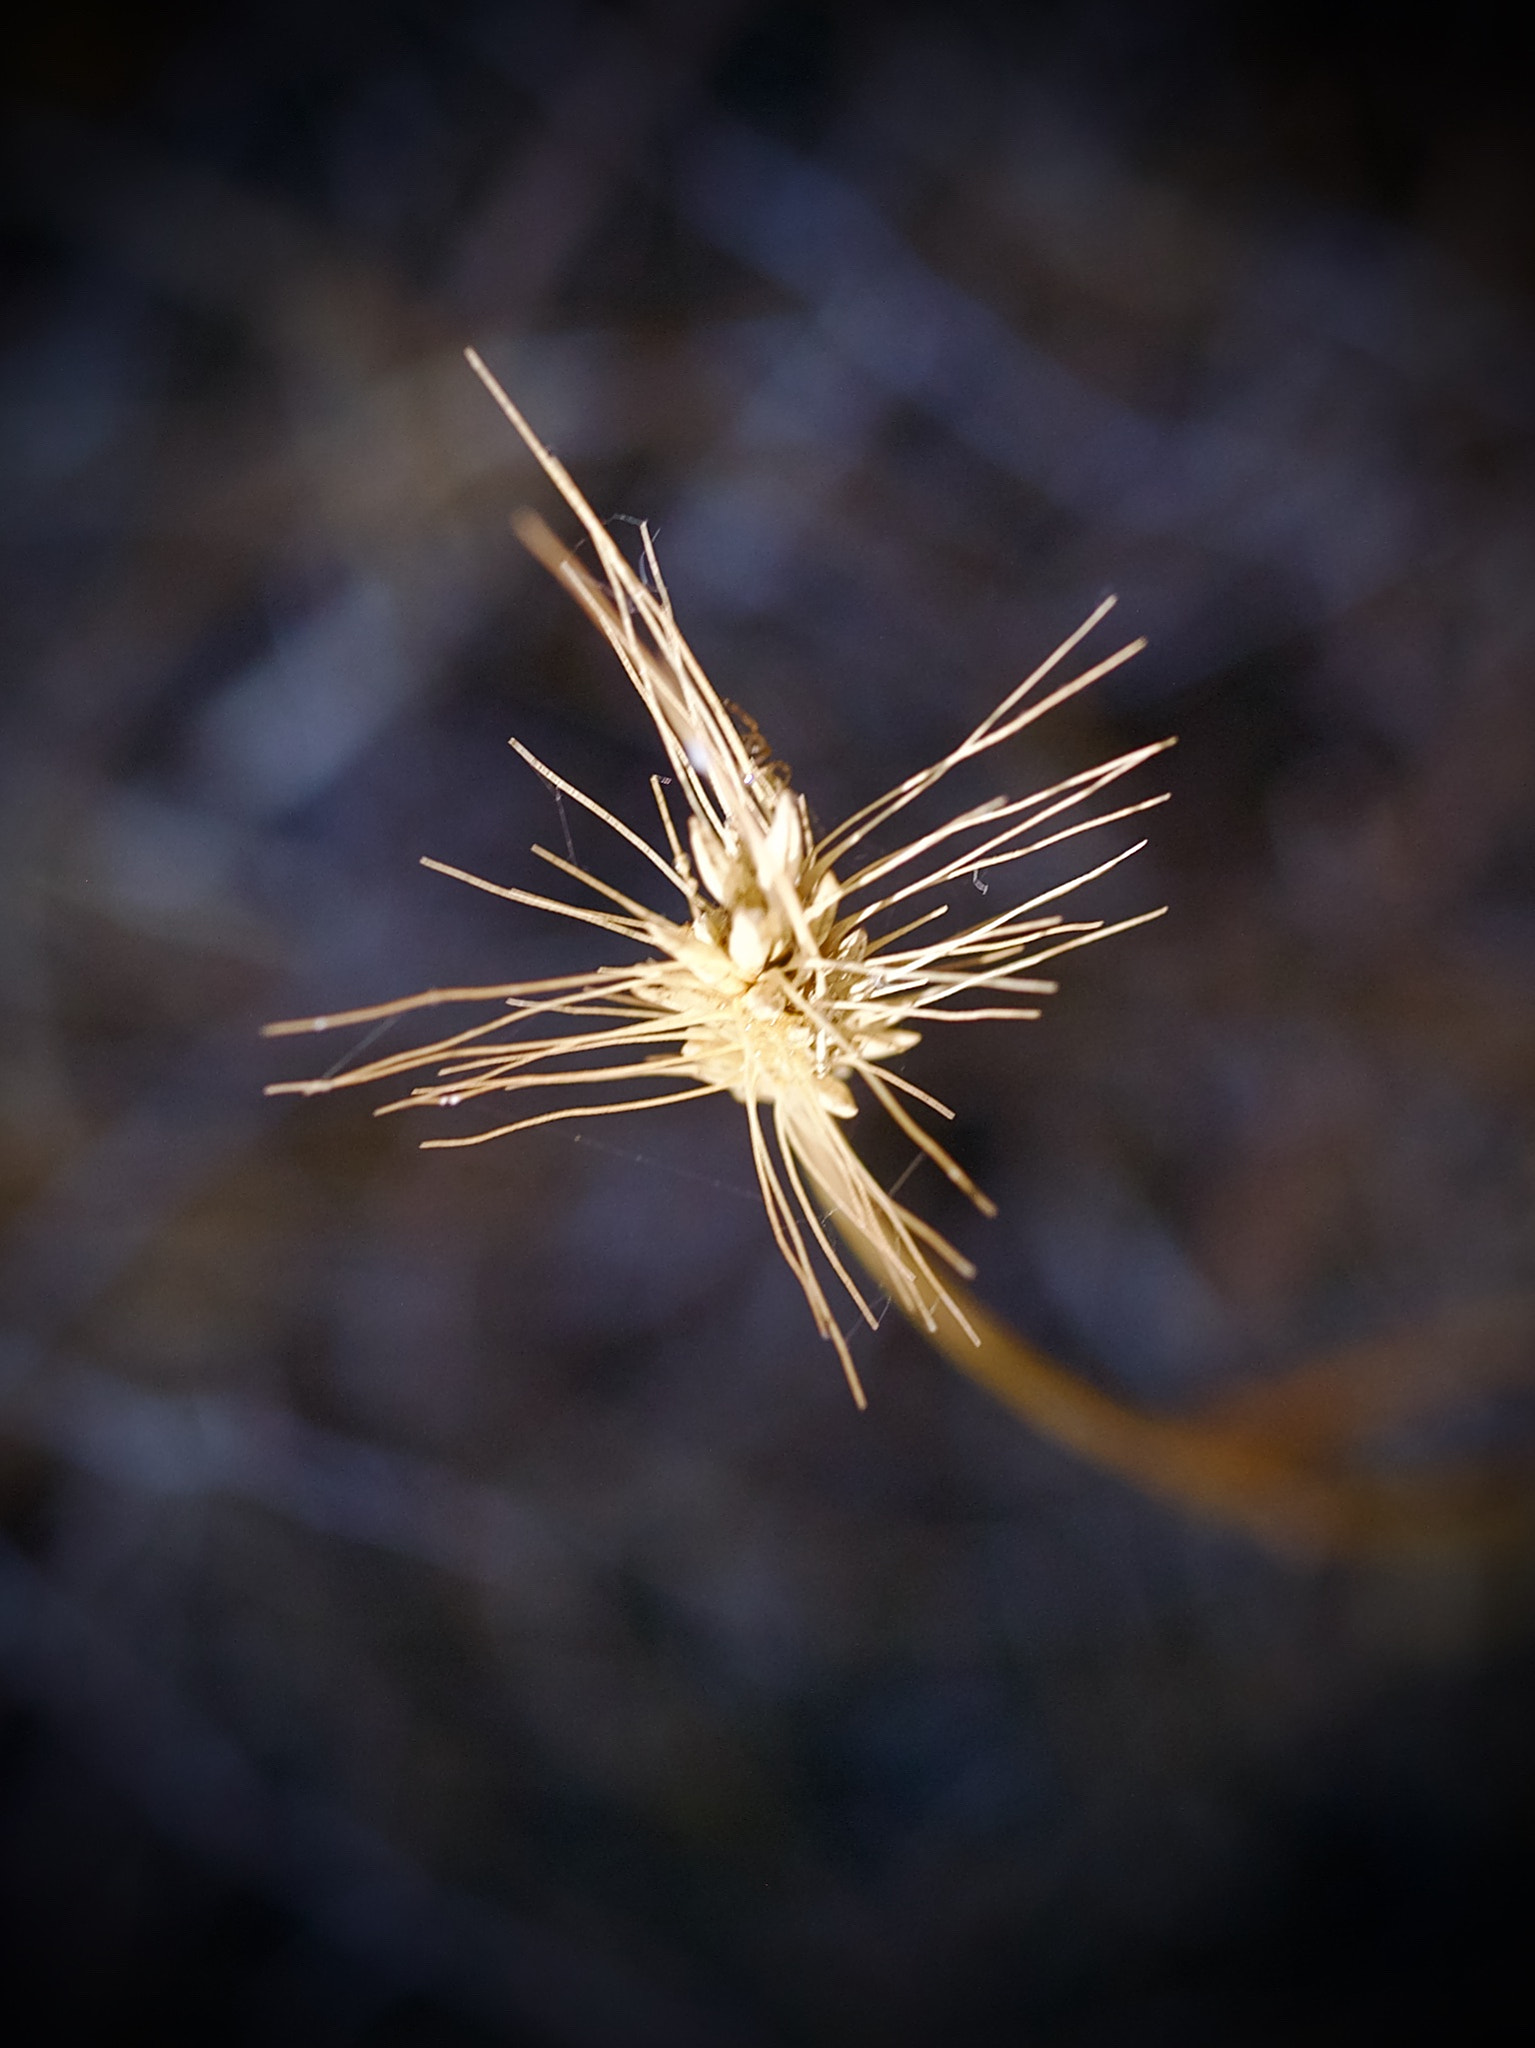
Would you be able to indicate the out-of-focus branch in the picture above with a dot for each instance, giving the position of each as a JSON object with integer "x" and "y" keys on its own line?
{"x": 1286, "y": 1461}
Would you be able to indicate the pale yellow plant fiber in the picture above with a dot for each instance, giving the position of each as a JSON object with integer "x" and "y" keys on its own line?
{"x": 793, "y": 972}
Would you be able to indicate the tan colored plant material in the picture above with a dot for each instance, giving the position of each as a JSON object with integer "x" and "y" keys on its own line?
{"x": 793, "y": 971}
{"x": 787, "y": 971}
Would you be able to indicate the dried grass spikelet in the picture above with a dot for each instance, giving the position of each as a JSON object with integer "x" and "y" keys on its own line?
{"x": 792, "y": 969}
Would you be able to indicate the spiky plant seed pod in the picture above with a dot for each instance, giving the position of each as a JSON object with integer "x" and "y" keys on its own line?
{"x": 788, "y": 972}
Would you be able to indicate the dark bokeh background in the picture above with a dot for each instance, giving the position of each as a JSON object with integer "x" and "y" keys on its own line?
{"x": 449, "y": 1598}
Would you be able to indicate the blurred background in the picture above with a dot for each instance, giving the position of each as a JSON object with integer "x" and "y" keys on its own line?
{"x": 449, "y": 1598}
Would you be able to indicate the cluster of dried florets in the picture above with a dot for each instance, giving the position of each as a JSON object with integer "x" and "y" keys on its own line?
{"x": 785, "y": 978}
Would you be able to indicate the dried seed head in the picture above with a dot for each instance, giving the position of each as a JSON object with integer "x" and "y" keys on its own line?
{"x": 790, "y": 974}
